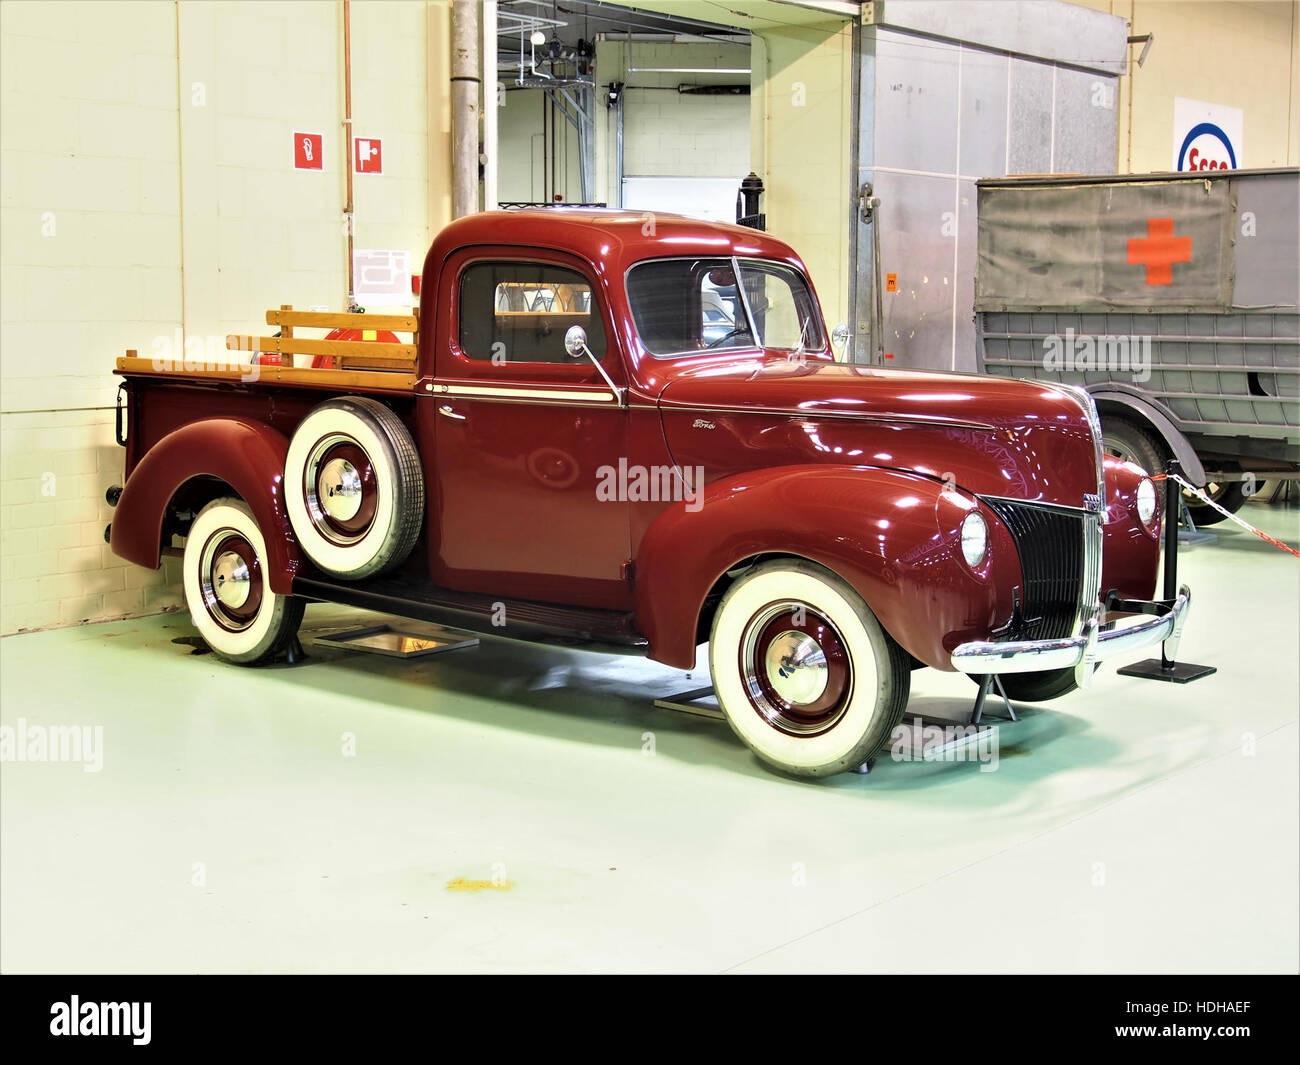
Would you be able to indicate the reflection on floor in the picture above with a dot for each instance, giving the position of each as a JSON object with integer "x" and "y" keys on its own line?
{"x": 515, "y": 808}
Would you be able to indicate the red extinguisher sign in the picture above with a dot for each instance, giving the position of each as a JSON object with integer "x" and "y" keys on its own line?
{"x": 308, "y": 151}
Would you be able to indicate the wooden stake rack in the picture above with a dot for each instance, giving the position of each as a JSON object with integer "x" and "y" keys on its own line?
{"x": 367, "y": 364}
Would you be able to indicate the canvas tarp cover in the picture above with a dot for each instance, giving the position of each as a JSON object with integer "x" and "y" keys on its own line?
{"x": 1156, "y": 245}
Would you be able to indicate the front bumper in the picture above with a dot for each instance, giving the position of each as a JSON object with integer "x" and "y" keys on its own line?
{"x": 1081, "y": 652}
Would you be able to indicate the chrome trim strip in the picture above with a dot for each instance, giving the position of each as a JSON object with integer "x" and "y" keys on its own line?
{"x": 937, "y": 422}
{"x": 1029, "y": 656}
{"x": 499, "y": 392}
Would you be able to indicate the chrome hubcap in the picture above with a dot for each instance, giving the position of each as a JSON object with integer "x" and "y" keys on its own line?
{"x": 340, "y": 489}
{"x": 796, "y": 668}
{"x": 231, "y": 580}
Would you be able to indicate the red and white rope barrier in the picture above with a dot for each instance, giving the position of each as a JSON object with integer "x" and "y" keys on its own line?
{"x": 1228, "y": 514}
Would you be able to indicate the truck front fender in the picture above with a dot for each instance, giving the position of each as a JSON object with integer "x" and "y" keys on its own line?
{"x": 245, "y": 454}
{"x": 894, "y": 537}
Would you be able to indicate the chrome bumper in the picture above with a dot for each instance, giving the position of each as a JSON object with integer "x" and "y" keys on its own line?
{"x": 1081, "y": 652}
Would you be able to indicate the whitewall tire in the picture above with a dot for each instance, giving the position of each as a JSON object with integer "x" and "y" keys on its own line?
{"x": 227, "y": 589}
{"x": 353, "y": 488}
{"x": 803, "y": 671}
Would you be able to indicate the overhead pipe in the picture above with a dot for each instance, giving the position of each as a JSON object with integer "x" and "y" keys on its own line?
{"x": 465, "y": 82}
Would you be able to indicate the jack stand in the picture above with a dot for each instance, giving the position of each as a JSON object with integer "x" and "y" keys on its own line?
{"x": 293, "y": 653}
{"x": 866, "y": 767}
{"x": 1164, "y": 667}
{"x": 987, "y": 682}
{"x": 1192, "y": 535}
{"x": 1284, "y": 492}
{"x": 689, "y": 703}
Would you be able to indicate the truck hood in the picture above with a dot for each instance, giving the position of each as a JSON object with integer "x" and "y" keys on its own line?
{"x": 991, "y": 436}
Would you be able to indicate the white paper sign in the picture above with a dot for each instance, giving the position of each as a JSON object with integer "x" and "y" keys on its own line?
{"x": 382, "y": 276}
{"x": 1206, "y": 136}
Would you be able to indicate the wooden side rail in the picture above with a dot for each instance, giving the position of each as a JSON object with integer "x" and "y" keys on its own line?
{"x": 362, "y": 354}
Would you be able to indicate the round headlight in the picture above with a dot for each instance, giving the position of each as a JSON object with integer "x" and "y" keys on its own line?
{"x": 1146, "y": 501}
{"x": 974, "y": 540}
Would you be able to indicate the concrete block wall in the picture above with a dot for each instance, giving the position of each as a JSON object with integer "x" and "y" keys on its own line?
{"x": 667, "y": 133}
{"x": 146, "y": 186}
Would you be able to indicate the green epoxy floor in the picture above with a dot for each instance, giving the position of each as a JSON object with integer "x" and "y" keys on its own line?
{"x": 1136, "y": 826}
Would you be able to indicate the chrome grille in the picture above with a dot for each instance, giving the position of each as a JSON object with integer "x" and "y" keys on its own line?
{"x": 1060, "y": 561}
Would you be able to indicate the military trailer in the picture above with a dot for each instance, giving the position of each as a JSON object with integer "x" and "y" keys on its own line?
{"x": 1174, "y": 299}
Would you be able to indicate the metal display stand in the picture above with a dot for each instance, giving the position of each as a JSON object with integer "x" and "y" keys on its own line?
{"x": 1165, "y": 668}
{"x": 689, "y": 703}
{"x": 911, "y": 734}
{"x": 413, "y": 642}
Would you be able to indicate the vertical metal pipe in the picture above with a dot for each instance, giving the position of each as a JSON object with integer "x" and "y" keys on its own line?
{"x": 465, "y": 81}
{"x": 622, "y": 95}
{"x": 491, "y": 102}
{"x": 347, "y": 142}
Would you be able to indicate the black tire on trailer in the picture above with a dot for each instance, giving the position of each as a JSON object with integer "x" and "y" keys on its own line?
{"x": 354, "y": 488}
{"x": 1133, "y": 443}
{"x": 1231, "y": 495}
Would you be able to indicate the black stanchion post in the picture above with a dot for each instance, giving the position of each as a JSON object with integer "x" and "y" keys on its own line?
{"x": 1173, "y": 501}
{"x": 1165, "y": 668}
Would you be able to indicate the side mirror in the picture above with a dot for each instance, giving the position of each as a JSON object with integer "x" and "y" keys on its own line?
{"x": 575, "y": 341}
{"x": 840, "y": 334}
{"x": 575, "y": 344}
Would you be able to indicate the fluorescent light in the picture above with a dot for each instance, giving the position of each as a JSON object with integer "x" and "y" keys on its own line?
{"x": 688, "y": 70}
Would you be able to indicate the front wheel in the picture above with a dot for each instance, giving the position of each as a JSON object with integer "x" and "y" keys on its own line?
{"x": 227, "y": 590}
{"x": 803, "y": 671}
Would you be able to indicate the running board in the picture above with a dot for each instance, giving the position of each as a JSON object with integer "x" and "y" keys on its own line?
{"x": 610, "y": 631}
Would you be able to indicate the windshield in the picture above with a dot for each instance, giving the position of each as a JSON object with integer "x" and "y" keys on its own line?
{"x": 688, "y": 306}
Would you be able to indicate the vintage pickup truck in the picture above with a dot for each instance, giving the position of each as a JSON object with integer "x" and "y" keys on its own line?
{"x": 629, "y": 433}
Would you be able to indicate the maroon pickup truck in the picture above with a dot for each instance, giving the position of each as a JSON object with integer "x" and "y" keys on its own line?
{"x": 629, "y": 433}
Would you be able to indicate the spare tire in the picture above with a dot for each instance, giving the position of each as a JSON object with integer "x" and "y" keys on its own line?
{"x": 353, "y": 488}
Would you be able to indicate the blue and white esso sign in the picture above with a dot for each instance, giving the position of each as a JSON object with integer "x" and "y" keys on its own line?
{"x": 1206, "y": 136}
{"x": 1206, "y": 147}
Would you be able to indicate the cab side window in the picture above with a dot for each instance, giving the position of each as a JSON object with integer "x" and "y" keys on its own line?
{"x": 519, "y": 312}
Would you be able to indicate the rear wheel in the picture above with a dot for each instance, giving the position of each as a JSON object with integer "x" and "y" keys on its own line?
{"x": 227, "y": 590}
{"x": 803, "y": 671}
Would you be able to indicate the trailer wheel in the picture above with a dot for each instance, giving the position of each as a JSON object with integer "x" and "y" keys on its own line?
{"x": 226, "y": 589}
{"x": 804, "y": 672}
{"x": 1230, "y": 495}
{"x": 1132, "y": 443}
{"x": 353, "y": 488}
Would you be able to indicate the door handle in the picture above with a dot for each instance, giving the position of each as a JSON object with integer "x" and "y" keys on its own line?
{"x": 446, "y": 410}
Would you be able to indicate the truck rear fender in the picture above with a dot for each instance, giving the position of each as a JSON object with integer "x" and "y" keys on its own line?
{"x": 243, "y": 454}
{"x": 894, "y": 537}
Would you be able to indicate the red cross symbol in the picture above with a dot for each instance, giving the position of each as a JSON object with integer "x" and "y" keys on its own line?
{"x": 1159, "y": 250}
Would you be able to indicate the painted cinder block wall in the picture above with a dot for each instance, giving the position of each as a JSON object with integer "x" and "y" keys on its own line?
{"x": 146, "y": 186}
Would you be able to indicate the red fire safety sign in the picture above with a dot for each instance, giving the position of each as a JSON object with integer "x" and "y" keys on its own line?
{"x": 369, "y": 156}
{"x": 308, "y": 151}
